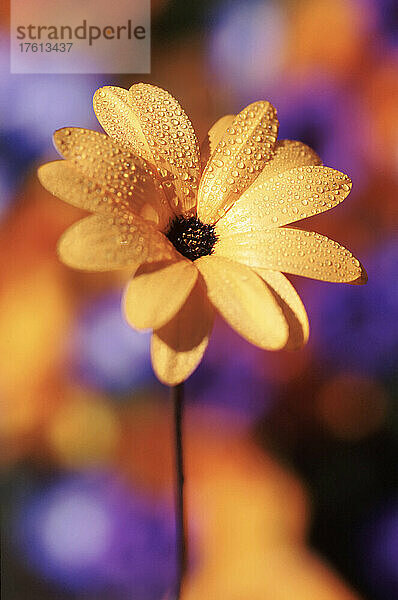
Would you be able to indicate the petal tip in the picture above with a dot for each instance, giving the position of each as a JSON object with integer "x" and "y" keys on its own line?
{"x": 362, "y": 279}
{"x": 59, "y": 138}
{"x": 102, "y": 95}
{"x": 100, "y": 92}
{"x": 166, "y": 379}
{"x": 41, "y": 173}
{"x": 45, "y": 174}
{"x": 294, "y": 344}
{"x": 173, "y": 373}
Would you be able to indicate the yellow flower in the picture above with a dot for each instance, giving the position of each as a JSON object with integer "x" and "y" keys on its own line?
{"x": 198, "y": 236}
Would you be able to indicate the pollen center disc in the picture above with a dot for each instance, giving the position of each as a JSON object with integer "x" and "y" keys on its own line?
{"x": 191, "y": 237}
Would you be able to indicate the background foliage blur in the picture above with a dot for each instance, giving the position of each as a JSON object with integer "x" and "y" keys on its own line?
{"x": 291, "y": 458}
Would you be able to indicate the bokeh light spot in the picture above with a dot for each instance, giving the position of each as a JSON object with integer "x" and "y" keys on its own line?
{"x": 352, "y": 406}
{"x": 76, "y": 530}
{"x": 84, "y": 431}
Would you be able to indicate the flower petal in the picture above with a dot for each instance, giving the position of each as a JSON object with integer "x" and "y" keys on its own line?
{"x": 293, "y": 251}
{"x": 73, "y": 186}
{"x": 113, "y": 110}
{"x": 157, "y": 292}
{"x": 151, "y": 123}
{"x": 287, "y": 197}
{"x": 97, "y": 243}
{"x": 244, "y": 301}
{"x": 237, "y": 160}
{"x": 292, "y": 307}
{"x": 178, "y": 347}
{"x": 64, "y": 181}
{"x": 126, "y": 180}
{"x": 216, "y": 132}
{"x": 288, "y": 154}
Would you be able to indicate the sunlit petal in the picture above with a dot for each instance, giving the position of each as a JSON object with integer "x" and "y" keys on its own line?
{"x": 97, "y": 243}
{"x": 293, "y": 251}
{"x": 288, "y": 154}
{"x": 178, "y": 347}
{"x": 64, "y": 181}
{"x": 114, "y": 112}
{"x": 285, "y": 198}
{"x": 157, "y": 292}
{"x": 244, "y": 301}
{"x": 214, "y": 136}
{"x": 125, "y": 179}
{"x": 150, "y": 122}
{"x": 292, "y": 307}
{"x": 237, "y": 160}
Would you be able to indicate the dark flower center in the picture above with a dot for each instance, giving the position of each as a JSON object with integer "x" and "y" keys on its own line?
{"x": 191, "y": 237}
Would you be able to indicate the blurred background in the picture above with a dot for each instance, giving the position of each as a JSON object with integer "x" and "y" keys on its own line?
{"x": 291, "y": 457}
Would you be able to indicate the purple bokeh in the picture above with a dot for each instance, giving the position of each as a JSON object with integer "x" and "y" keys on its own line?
{"x": 32, "y": 107}
{"x": 90, "y": 532}
{"x": 230, "y": 382}
{"x": 379, "y": 538}
{"x": 356, "y": 327}
{"x": 317, "y": 111}
{"x": 106, "y": 352}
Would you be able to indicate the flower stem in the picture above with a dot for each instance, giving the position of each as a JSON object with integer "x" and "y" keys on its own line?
{"x": 181, "y": 549}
